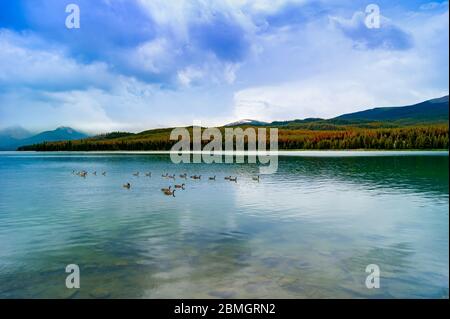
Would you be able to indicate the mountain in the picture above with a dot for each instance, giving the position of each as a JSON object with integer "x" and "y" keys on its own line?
{"x": 297, "y": 121}
{"x": 15, "y": 132}
{"x": 247, "y": 122}
{"x": 60, "y": 134}
{"x": 11, "y": 139}
{"x": 425, "y": 124}
{"x": 435, "y": 110}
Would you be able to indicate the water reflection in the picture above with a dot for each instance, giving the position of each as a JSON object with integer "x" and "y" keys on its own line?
{"x": 308, "y": 231}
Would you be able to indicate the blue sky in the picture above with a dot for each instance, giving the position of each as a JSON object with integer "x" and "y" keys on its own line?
{"x": 139, "y": 64}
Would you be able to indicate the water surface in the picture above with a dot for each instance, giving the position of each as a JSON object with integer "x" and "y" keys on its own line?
{"x": 308, "y": 231}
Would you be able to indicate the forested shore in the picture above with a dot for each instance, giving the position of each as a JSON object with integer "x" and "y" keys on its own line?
{"x": 420, "y": 137}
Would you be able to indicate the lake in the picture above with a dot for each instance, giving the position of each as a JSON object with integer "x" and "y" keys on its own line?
{"x": 308, "y": 231}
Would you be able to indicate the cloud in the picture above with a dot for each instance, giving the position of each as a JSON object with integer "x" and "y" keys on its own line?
{"x": 138, "y": 64}
{"x": 128, "y": 105}
{"x": 39, "y": 68}
{"x": 294, "y": 13}
{"x": 434, "y": 5}
{"x": 329, "y": 76}
{"x": 223, "y": 37}
{"x": 149, "y": 40}
{"x": 188, "y": 75}
{"x": 105, "y": 26}
{"x": 299, "y": 100}
{"x": 388, "y": 36}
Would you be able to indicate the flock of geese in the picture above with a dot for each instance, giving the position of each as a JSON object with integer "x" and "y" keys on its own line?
{"x": 169, "y": 191}
{"x": 85, "y": 173}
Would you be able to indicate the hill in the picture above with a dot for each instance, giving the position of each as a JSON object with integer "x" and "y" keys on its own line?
{"x": 419, "y": 126}
{"x": 12, "y": 138}
{"x": 435, "y": 110}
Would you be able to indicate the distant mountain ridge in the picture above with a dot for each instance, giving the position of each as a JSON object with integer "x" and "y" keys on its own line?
{"x": 430, "y": 111}
{"x": 435, "y": 109}
{"x": 427, "y": 113}
{"x": 12, "y": 138}
{"x": 247, "y": 122}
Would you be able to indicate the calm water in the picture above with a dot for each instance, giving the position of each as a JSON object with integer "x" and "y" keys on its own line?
{"x": 308, "y": 231}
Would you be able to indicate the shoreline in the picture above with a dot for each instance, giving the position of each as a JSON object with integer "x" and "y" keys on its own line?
{"x": 300, "y": 153}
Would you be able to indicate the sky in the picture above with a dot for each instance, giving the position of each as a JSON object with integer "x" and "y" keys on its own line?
{"x": 140, "y": 64}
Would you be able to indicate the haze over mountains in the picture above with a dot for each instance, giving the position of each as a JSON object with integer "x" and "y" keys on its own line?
{"x": 427, "y": 112}
{"x": 433, "y": 111}
{"x": 12, "y": 138}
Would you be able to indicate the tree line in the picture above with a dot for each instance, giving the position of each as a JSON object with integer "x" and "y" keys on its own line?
{"x": 420, "y": 137}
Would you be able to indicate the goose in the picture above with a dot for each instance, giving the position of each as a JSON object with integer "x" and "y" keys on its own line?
{"x": 166, "y": 189}
{"x": 136, "y": 174}
{"x": 104, "y": 173}
{"x": 183, "y": 175}
{"x": 256, "y": 178}
{"x": 169, "y": 193}
{"x": 83, "y": 174}
{"x": 196, "y": 177}
{"x": 180, "y": 186}
{"x": 212, "y": 178}
{"x": 127, "y": 185}
{"x": 149, "y": 174}
{"x": 233, "y": 179}
{"x": 171, "y": 176}
{"x": 228, "y": 178}
{"x": 94, "y": 173}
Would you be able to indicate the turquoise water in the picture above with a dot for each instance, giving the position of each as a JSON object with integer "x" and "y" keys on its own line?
{"x": 308, "y": 231}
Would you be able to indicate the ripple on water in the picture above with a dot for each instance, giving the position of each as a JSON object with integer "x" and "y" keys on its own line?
{"x": 308, "y": 231}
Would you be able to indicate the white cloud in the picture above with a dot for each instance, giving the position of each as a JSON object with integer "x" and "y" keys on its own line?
{"x": 36, "y": 67}
{"x": 230, "y": 72}
{"x": 322, "y": 98}
{"x": 311, "y": 70}
{"x": 154, "y": 56}
{"x": 188, "y": 75}
{"x": 326, "y": 76}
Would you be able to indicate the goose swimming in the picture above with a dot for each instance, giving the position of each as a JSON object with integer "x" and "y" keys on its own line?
{"x": 169, "y": 193}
